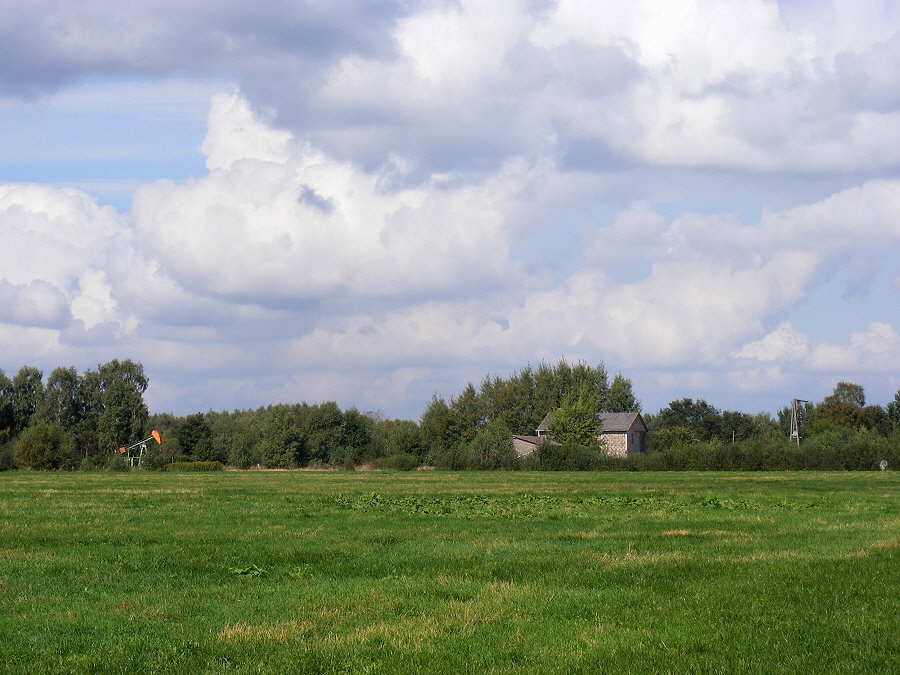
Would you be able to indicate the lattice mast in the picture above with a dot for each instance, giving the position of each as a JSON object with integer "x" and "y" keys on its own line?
{"x": 796, "y": 418}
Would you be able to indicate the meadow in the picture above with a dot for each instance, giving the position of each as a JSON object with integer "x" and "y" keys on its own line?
{"x": 441, "y": 572}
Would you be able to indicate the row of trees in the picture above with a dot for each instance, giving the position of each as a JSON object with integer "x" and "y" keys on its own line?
{"x": 74, "y": 419}
{"x": 70, "y": 416}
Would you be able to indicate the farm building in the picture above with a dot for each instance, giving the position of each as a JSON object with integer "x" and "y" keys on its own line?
{"x": 623, "y": 433}
{"x": 525, "y": 445}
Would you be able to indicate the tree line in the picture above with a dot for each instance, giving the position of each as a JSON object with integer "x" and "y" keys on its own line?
{"x": 73, "y": 420}
{"x": 71, "y": 416}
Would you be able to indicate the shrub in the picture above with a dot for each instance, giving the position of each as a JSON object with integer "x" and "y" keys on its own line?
{"x": 44, "y": 446}
{"x": 454, "y": 458}
{"x": 402, "y": 461}
{"x": 492, "y": 448}
{"x": 567, "y": 457}
{"x": 153, "y": 460}
{"x": 344, "y": 457}
{"x": 6, "y": 457}
{"x": 195, "y": 466}
{"x": 94, "y": 463}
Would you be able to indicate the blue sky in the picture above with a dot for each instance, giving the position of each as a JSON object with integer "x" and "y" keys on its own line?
{"x": 376, "y": 202}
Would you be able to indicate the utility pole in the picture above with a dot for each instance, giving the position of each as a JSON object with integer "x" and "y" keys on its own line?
{"x": 796, "y": 418}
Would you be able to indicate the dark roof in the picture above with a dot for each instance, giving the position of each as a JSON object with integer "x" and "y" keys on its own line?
{"x": 621, "y": 421}
{"x": 529, "y": 439}
{"x": 616, "y": 422}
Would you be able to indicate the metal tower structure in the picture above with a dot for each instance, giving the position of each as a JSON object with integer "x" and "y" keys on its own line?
{"x": 796, "y": 418}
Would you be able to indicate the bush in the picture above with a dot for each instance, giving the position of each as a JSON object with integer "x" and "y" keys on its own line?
{"x": 492, "y": 448}
{"x": 94, "y": 463}
{"x": 6, "y": 457}
{"x": 44, "y": 446}
{"x": 568, "y": 457}
{"x": 454, "y": 458}
{"x": 343, "y": 457}
{"x": 195, "y": 466}
{"x": 402, "y": 461}
{"x": 153, "y": 460}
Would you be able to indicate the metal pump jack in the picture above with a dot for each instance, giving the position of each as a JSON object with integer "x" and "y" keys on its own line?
{"x": 135, "y": 451}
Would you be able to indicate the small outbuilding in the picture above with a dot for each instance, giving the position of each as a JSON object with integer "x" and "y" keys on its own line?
{"x": 525, "y": 445}
{"x": 622, "y": 433}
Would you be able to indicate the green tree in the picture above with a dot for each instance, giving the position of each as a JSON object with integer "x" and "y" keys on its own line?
{"x": 492, "y": 448}
{"x": 7, "y": 412}
{"x": 672, "y": 438}
{"x": 436, "y": 426}
{"x": 241, "y": 451}
{"x": 192, "y": 430}
{"x": 282, "y": 444}
{"x": 844, "y": 407}
{"x": 43, "y": 446}
{"x": 206, "y": 450}
{"x": 118, "y": 387}
{"x": 405, "y": 437}
{"x": 27, "y": 392}
{"x": 893, "y": 412}
{"x": 620, "y": 397}
{"x": 575, "y": 422}
{"x": 63, "y": 400}
{"x": 466, "y": 415}
{"x": 321, "y": 426}
{"x": 123, "y": 418}
{"x": 702, "y": 419}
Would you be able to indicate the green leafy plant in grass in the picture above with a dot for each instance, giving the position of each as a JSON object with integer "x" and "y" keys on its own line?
{"x": 249, "y": 571}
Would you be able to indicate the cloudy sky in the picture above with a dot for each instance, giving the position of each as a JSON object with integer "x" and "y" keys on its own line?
{"x": 375, "y": 201}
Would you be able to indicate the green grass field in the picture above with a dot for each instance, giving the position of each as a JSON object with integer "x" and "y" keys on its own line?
{"x": 433, "y": 572}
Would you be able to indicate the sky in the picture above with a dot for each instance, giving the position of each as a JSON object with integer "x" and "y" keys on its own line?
{"x": 374, "y": 202}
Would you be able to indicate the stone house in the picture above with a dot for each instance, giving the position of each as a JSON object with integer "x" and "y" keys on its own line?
{"x": 623, "y": 433}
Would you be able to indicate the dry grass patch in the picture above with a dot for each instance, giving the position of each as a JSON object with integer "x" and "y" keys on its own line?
{"x": 277, "y": 633}
{"x": 630, "y": 557}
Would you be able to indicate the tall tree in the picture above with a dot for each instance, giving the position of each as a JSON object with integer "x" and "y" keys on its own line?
{"x": 436, "y": 426}
{"x": 7, "y": 412}
{"x": 575, "y": 422}
{"x": 466, "y": 416}
{"x": 893, "y": 412}
{"x": 63, "y": 399}
{"x": 27, "y": 393}
{"x": 620, "y": 397}
{"x": 124, "y": 416}
{"x": 702, "y": 419}
{"x": 844, "y": 407}
{"x": 192, "y": 430}
{"x": 321, "y": 427}
{"x": 282, "y": 445}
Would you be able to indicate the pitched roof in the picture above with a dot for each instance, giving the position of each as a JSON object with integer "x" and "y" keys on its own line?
{"x": 616, "y": 422}
{"x": 620, "y": 421}
{"x": 545, "y": 423}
